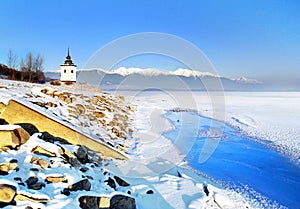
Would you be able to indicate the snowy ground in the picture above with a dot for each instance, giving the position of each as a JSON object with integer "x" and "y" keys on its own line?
{"x": 271, "y": 116}
{"x": 152, "y": 165}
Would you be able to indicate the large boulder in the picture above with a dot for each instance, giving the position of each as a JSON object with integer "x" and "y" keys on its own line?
{"x": 3, "y": 122}
{"x": 31, "y": 180}
{"x": 30, "y": 128}
{"x": 92, "y": 202}
{"x": 121, "y": 182}
{"x": 89, "y": 202}
{"x": 37, "y": 186}
{"x": 32, "y": 183}
{"x": 80, "y": 185}
{"x": 56, "y": 179}
{"x": 41, "y": 162}
{"x": 12, "y": 136}
{"x": 7, "y": 167}
{"x": 7, "y": 194}
{"x": 69, "y": 156}
{"x": 82, "y": 154}
{"x": 26, "y": 197}
{"x": 50, "y": 138}
{"x": 110, "y": 182}
{"x": 43, "y": 151}
{"x": 121, "y": 202}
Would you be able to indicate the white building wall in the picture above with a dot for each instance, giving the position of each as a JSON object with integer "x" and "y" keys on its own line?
{"x": 67, "y": 73}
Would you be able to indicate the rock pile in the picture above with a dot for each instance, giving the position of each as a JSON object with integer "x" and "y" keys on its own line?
{"x": 37, "y": 165}
{"x": 96, "y": 112}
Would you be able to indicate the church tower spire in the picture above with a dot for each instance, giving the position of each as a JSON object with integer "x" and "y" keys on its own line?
{"x": 68, "y": 69}
{"x": 68, "y": 60}
{"x": 68, "y": 56}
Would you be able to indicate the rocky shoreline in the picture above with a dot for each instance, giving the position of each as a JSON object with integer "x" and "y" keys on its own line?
{"x": 36, "y": 170}
{"x": 38, "y": 166}
{"x": 42, "y": 166}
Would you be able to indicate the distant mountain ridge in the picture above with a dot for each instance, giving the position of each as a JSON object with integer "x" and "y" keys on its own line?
{"x": 137, "y": 78}
{"x": 179, "y": 72}
{"x": 155, "y": 72}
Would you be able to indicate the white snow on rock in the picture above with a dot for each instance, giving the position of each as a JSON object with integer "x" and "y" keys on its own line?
{"x": 9, "y": 127}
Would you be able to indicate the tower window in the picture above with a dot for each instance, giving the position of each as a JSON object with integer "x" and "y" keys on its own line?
{"x": 65, "y": 71}
{"x": 72, "y": 71}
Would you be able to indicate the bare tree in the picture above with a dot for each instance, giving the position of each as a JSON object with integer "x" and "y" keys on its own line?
{"x": 38, "y": 68}
{"x": 12, "y": 59}
{"x": 29, "y": 62}
{"x": 29, "y": 65}
{"x": 22, "y": 65}
{"x": 38, "y": 63}
{"x": 32, "y": 68}
{"x": 12, "y": 64}
{"x": 22, "y": 69}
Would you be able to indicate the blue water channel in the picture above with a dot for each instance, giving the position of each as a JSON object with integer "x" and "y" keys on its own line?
{"x": 240, "y": 163}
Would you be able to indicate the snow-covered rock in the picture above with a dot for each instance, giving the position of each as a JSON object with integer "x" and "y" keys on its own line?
{"x": 12, "y": 136}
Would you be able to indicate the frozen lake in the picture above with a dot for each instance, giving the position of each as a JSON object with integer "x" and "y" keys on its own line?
{"x": 242, "y": 164}
{"x": 266, "y": 172}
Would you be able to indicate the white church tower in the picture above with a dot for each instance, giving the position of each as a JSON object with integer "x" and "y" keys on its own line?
{"x": 68, "y": 70}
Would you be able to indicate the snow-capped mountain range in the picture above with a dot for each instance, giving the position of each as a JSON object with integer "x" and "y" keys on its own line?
{"x": 179, "y": 72}
{"x": 155, "y": 72}
{"x": 137, "y": 78}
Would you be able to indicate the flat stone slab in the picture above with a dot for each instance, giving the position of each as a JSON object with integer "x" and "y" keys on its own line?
{"x": 12, "y": 136}
{"x": 17, "y": 112}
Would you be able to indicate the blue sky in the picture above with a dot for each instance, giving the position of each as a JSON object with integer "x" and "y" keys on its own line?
{"x": 256, "y": 39}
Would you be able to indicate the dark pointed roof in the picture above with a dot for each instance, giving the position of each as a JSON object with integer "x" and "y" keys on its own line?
{"x": 68, "y": 60}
